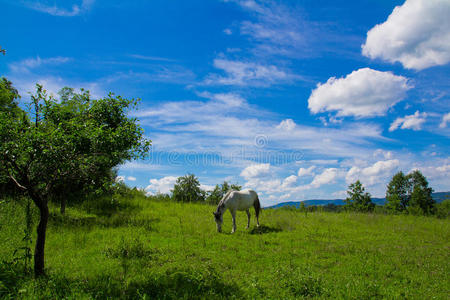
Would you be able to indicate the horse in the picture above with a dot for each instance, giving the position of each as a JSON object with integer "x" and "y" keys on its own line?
{"x": 237, "y": 200}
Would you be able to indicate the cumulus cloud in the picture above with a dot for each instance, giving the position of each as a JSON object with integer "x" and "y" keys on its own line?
{"x": 131, "y": 178}
{"x": 302, "y": 172}
{"x": 162, "y": 185}
{"x": 416, "y": 34}
{"x": 327, "y": 176}
{"x": 363, "y": 93}
{"x": 255, "y": 171}
{"x": 413, "y": 122}
{"x": 289, "y": 181}
{"x": 378, "y": 172}
{"x": 286, "y": 125}
{"x": 445, "y": 119}
{"x": 382, "y": 153}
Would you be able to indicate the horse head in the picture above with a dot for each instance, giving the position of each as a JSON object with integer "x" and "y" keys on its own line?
{"x": 218, "y": 218}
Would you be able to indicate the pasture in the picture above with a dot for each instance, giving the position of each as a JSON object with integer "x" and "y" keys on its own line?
{"x": 137, "y": 248}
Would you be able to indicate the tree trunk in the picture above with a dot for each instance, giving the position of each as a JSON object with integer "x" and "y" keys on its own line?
{"x": 63, "y": 205}
{"x": 40, "y": 241}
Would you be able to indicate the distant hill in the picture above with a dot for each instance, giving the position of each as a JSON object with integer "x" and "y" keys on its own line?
{"x": 438, "y": 197}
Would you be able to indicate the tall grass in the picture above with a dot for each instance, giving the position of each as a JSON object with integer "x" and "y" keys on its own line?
{"x": 137, "y": 248}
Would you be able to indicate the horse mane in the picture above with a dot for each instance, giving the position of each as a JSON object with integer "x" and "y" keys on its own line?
{"x": 222, "y": 202}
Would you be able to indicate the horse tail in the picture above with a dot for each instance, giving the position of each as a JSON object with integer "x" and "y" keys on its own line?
{"x": 257, "y": 206}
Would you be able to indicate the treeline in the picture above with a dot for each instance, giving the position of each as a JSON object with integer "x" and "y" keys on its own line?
{"x": 188, "y": 189}
{"x": 404, "y": 194}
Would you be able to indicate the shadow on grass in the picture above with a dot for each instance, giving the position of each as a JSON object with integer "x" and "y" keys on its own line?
{"x": 264, "y": 229}
{"x": 117, "y": 219}
{"x": 173, "y": 284}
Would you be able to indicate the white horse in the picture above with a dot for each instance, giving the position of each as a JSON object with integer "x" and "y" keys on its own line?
{"x": 237, "y": 200}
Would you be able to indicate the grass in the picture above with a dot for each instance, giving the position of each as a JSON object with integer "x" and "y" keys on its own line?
{"x": 146, "y": 249}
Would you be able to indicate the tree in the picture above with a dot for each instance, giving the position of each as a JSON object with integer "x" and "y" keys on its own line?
{"x": 8, "y": 109}
{"x": 60, "y": 144}
{"x": 358, "y": 199}
{"x": 410, "y": 192}
{"x": 187, "y": 189}
{"x": 219, "y": 191}
{"x": 420, "y": 193}
{"x": 397, "y": 198}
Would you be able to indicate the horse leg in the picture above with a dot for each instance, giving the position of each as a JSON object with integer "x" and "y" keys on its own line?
{"x": 257, "y": 217}
{"x": 248, "y": 217}
{"x": 233, "y": 215}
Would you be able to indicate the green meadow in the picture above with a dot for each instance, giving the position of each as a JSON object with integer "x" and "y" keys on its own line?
{"x": 145, "y": 249}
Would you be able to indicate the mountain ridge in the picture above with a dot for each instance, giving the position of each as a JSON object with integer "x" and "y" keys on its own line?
{"x": 437, "y": 196}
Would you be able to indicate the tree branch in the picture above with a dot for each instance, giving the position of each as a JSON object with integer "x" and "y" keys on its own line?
{"x": 17, "y": 183}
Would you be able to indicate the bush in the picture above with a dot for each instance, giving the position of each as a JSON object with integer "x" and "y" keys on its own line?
{"x": 443, "y": 209}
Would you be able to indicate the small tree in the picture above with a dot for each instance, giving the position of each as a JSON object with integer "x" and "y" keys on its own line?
{"x": 358, "y": 199}
{"x": 410, "y": 192}
{"x": 421, "y": 198}
{"x": 219, "y": 191}
{"x": 187, "y": 189}
{"x": 59, "y": 143}
{"x": 397, "y": 198}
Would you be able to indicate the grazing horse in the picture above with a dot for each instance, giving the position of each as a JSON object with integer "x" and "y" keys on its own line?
{"x": 237, "y": 200}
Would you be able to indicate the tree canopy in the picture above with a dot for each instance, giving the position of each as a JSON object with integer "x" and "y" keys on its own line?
{"x": 358, "y": 199}
{"x": 409, "y": 192}
{"x": 187, "y": 189}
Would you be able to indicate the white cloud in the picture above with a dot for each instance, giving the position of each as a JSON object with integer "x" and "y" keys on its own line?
{"x": 287, "y": 125}
{"x": 229, "y": 129}
{"x": 207, "y": 187}
{"x": 230, "y": 99}
{"x": 52, "y": 85}
{"x": 445, "y": 169}
{"x": 302, "y": 172}
{"x": 285, "y": 196}
{"x": 269, "y": 186}
{"x": 363, "y": 93}
{"x": 256, "y": 171}
{"x": 416, "y": 34}
{"x": 382, "y": 153}
{"x": 242, "y": 73}
{"x": 26, "y": 65}
{"x": 227, "y": 31}
{"x": 340, "y": 194}
{"x": 162, "y": 185}
{"x": 152, "y": 58}
{"x": 276, "y": 28}
{"x": 75, "y": 10}
{"x": 131, "y": 178}
{"x": 327, "y": 176}
{"x": 413, "y": 122}
{"x": 376, "y": 173}
{"x": 445, "y": 119}
{"x": 289, "y": 181}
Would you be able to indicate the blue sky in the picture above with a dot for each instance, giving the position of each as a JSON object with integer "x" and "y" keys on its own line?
{"x": 295, "y": 99}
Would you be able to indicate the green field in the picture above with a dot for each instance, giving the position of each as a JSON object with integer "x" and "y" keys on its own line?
{"x": 146, "y": 249}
